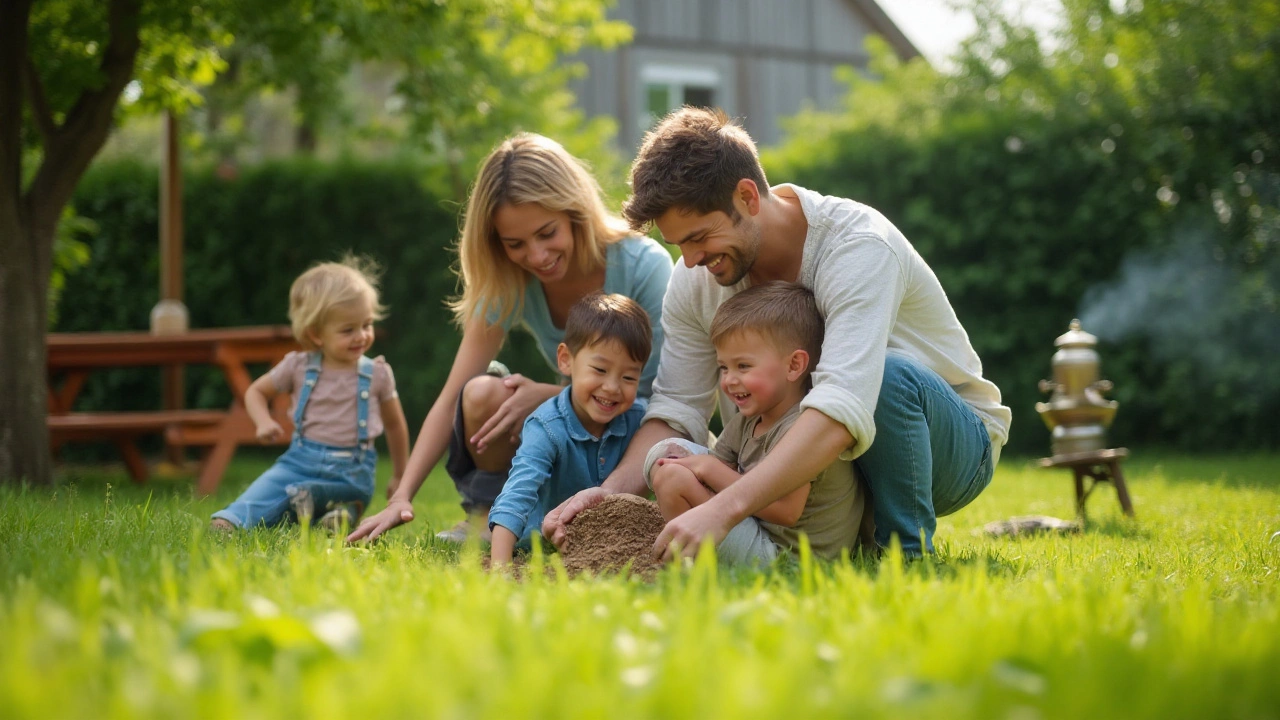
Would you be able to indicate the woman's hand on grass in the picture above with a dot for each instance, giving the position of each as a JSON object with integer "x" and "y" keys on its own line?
{"x": 527, "y": 395}
{"x": 396, "y": 513}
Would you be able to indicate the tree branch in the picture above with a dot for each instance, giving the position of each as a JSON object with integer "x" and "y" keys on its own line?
{"x": 39, "y": 103}
{"x": 87, "y": 124}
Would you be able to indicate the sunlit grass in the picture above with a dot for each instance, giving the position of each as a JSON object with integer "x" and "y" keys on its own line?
{"x": 115, "y": 603}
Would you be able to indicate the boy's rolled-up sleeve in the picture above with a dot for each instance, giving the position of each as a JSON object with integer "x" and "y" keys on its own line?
{"x": 530, "y": 470}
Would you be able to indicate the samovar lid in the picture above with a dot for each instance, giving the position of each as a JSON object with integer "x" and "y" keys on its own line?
{"x": 1075, "y": 337}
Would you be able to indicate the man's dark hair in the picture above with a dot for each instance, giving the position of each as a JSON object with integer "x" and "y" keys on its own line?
{"x": 691, "y": 160}
{"x": 599, "y": 317}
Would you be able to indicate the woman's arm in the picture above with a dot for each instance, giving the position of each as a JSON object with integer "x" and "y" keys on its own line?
{"x": 480, "y": 344}
{"x": 397, "y": 431}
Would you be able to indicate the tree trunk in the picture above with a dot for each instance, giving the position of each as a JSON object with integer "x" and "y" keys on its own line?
{"x": 29, "y": 219}
{"x": 24, "y": 437}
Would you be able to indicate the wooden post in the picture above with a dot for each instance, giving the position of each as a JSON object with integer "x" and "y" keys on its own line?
{"x": 170, "y": 315}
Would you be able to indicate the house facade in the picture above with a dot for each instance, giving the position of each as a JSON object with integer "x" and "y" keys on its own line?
{"x": 758, "y": 60}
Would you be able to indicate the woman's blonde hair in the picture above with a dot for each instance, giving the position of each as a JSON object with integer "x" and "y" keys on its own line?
{"x": 526, "y": 168}
{"x": 327, "y": 285}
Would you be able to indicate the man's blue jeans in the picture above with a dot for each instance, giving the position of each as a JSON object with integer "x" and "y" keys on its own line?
{"x": 331, "y": 474}
{"x": 931, "y": 455}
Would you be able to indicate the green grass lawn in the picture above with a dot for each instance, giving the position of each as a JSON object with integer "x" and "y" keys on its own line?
{"x": 115, "y": 603}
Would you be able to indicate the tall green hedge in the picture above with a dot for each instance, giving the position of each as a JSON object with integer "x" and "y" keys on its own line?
{"x": 1129, "y": 176}
{"x": 246, "y": 240}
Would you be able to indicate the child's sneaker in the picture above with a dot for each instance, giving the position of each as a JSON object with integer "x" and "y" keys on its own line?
{"x": 338, "y": 520}
{"x": 302, "y": 504}
{"x": 460, "y": 533}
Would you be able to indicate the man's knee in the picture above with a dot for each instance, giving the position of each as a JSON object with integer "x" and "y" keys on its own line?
{"x": 482, "y": 396}
{"x": 904, "y": 378}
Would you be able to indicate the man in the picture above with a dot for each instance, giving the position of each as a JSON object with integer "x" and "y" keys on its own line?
{"x": 899, "y": 389}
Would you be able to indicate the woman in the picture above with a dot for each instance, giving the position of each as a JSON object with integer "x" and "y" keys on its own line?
{"x": 535, "y": 239}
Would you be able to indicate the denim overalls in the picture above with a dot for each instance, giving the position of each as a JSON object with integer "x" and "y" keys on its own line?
{"x": 332, "y": 475}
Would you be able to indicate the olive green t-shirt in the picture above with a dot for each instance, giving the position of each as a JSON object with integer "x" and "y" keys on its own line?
{"x": 833, "y": 511}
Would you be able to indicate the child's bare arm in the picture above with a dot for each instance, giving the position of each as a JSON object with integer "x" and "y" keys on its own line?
{"x": 397, "y": 430}
{"x": 502, "y": 547}
{"x": 717, "y": 475}
{"x": 786, "y": 510}
{"x": 257, "y": 401}
{"x": 710, "y": 470}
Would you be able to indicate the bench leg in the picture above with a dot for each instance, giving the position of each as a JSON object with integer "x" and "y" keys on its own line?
{"x": 133, "y": 460}
{"x": 215, "y": 464}
{"x": 1122, "y": 491}
{"x": 1081, "y": 495}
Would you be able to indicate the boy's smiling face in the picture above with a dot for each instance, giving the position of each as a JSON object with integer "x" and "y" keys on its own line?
{"x": 758, "y": 377}
{"x": 604, "y": 380}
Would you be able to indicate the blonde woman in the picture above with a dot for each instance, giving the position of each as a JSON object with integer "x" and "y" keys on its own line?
{"x": 535, "y": 239}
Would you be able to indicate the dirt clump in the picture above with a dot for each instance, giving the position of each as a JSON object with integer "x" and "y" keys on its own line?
{"x": 618, "y": 531}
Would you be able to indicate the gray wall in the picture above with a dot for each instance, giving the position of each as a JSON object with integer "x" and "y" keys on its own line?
{"x": 772, "y": 58}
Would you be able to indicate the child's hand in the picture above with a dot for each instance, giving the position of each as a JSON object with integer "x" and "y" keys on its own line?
{"x": 269, "y": 431}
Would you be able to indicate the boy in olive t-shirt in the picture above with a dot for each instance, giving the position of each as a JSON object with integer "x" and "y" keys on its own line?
{"x": 767, "y": 340}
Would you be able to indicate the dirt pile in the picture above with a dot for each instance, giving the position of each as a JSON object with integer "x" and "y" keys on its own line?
{"x": 620, "y": 530}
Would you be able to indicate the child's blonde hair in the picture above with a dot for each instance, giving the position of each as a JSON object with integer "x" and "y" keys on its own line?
{"x": 526, "y": 168}
{"x": 327, "y": 285}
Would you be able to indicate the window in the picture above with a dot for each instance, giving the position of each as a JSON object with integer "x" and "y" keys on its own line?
{"x": 667, "y": 87}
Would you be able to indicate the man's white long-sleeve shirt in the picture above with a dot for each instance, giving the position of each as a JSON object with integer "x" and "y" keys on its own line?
{"x": 876, "y": 295}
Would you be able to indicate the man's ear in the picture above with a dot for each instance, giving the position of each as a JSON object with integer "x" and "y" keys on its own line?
{"x": 748, "y": 195}
{"x": 797, "y": 364}
{"x": 564, "y": 360}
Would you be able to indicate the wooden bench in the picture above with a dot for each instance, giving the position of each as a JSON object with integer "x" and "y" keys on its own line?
{"x": 71, "y": 357}
{"x": 124, "y": 428}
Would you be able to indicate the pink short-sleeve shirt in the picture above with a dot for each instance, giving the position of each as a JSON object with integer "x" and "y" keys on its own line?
{"x": 330, "y": 415}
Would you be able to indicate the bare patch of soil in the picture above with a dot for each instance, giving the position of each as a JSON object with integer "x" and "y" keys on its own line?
{"x": 618, "y": 531}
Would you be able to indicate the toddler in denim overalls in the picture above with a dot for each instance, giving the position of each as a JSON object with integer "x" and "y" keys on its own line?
{"x": 327, "y": 474}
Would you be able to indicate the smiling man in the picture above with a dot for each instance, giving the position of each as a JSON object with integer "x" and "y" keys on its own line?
{"x": 899, "y": 389}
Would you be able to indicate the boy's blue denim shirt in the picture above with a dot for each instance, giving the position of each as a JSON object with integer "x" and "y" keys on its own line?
{"x": 557, "y": 458}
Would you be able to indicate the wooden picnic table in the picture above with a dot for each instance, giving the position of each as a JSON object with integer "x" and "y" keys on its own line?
{"x": 73, "y": 356}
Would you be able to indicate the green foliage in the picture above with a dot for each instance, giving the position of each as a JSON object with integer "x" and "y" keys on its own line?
{"x": 246, "y": 240}
{"x": 1130, "y": 176}
{"x": 70, "y": 253}
{"x": 115, "y": 604}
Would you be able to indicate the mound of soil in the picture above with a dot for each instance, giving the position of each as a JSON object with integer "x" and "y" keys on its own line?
{"x": 618, "y": 531}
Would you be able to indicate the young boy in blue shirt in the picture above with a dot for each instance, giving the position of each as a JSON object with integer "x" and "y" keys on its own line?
{"x": 575, "y": 439}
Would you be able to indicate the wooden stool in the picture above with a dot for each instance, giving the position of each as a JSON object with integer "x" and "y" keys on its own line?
{"x": 1099, "y": 466}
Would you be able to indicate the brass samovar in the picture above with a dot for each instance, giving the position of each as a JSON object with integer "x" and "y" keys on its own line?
{"x": 1077, "y": 413}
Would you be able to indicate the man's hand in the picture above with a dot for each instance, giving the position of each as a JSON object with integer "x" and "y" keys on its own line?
{"x": 397, "y": 512}
{"x": 553, "y": 525}
{"x": 687, "y": 531}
